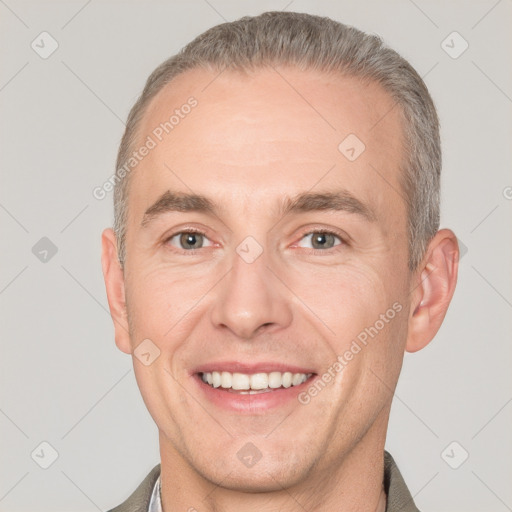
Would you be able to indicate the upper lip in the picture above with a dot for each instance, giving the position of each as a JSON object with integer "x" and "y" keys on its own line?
{"x": 250, "y": 368}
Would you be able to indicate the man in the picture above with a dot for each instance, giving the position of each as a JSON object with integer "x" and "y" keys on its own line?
{"x": 275, "y": 251}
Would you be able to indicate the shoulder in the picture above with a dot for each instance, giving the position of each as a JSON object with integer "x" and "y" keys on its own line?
{"x": 138, "y": 501}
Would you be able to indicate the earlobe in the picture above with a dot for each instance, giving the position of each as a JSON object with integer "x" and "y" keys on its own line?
{"x": 114, "y": 284}
{"x": 434, "y": 288}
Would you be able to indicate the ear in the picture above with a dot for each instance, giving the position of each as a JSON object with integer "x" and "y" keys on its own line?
{"x": 114, "y": 283}
{"x": 434, "y": 285}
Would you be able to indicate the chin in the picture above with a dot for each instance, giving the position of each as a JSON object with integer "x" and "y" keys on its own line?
{"x": 249, "y": 470}
{"x": 258, "y": 479}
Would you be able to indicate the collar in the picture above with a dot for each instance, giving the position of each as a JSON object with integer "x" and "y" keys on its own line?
{"x": 155, "y": 503}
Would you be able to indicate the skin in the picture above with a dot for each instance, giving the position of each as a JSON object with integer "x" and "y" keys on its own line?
{"x": 251, "y": 140}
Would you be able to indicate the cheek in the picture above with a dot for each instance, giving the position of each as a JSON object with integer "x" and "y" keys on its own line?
{"x": 359, "y": 309}
{"x": 345, "y": 297}
{"x": 158, "y": 390}
{"x": 160, "y": 299}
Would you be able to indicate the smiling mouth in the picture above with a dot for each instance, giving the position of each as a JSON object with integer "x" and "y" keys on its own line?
{"x": 251, "y": 384}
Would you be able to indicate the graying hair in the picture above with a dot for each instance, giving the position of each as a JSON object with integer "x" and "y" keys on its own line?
{"x": 312, "y": 43}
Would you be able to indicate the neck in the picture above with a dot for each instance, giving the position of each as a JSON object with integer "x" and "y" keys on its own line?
{"x": 353, "y": 482}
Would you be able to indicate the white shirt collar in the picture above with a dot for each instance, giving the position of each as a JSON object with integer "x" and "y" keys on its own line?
{"x": 155, "y": 503}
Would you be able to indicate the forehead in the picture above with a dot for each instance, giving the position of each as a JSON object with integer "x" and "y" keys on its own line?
{"x": 251, "y": 137}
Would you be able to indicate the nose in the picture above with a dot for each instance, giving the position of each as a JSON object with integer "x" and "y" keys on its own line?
{"x": 251, "y": 299}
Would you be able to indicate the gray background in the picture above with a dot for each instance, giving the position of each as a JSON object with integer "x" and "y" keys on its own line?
{"x": 63, "y": 381}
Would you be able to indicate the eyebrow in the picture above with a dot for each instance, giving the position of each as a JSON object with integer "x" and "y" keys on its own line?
{"x": 340, "y": 200}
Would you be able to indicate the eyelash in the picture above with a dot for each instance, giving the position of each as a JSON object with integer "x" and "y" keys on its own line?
{"x": 305, "y": 233}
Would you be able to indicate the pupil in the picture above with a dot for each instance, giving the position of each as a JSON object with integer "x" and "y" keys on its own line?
{"x": 189, "y": 238}
{"x": 321, "y": 239}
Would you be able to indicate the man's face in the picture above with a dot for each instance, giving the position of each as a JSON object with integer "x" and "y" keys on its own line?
{"x": 260, "y": 291}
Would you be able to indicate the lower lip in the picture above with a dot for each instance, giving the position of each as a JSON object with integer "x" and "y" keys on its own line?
{"x": 247, "y": 403}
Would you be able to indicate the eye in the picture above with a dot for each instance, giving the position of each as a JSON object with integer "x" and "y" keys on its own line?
{"x": 191, "y": 240}
{"x": 187, "y": 240}
{"x": 323, "y": 239}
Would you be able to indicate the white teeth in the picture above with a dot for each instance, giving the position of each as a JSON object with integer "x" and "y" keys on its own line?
{"x": 287, "y": 379}
{"x": 240, "y": 381}
{"x": 274, "y": 380}
{"x": 297, "y": 379}
{"x": 216, "y": 380}
{"x": 258, "y": 381}
{"x": 226, "y": 379}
